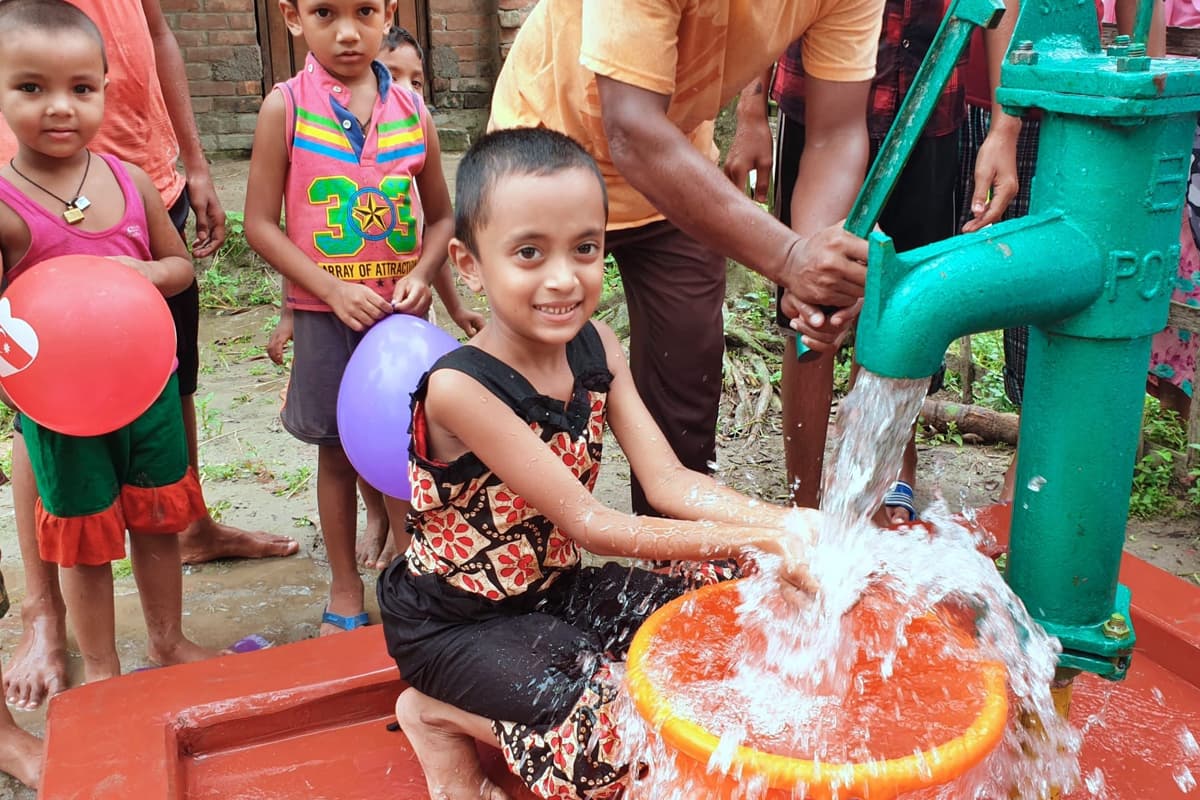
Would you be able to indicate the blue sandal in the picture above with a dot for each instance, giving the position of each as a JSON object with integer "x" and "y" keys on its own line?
{"x": 901, "y": 496}
{"x": 345, "y": 623}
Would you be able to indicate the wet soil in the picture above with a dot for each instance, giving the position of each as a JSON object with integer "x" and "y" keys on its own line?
{"x": 259, "y": 477}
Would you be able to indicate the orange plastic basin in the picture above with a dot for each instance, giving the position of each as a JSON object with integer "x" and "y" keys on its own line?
{"x": 935, "y": 718}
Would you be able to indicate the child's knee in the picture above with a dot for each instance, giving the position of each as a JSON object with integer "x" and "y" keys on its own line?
{"x": 333, "y": 464}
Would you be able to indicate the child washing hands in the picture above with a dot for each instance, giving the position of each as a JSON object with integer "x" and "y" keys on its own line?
{"x": 501, "y": 634}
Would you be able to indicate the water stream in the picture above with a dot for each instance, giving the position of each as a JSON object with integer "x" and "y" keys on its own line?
{"x": 791, "y": 690}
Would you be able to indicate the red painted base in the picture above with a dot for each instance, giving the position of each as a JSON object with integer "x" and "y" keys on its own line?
{"x": 308, "y": 720}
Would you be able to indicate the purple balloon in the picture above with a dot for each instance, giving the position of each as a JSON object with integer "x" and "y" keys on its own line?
{"x": 373, "y": 405}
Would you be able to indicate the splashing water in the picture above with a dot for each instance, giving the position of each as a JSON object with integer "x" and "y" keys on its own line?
{"x": 793, "y": 683}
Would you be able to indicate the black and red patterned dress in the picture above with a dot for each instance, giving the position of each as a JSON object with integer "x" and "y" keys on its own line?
{"x": 489, "y": 610}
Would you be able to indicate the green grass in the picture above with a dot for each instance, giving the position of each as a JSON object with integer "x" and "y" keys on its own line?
{"x": 987, "y": 353}
{"x": 294, "y": 481}
{"x": 1155, "y": 492}
{"x": 237, "y": 278}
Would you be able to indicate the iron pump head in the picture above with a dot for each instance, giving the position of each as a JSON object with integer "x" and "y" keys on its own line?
{"x": 1090, "y": 270}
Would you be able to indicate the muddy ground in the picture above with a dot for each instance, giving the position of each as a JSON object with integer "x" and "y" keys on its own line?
{"x": 257, "y": 476}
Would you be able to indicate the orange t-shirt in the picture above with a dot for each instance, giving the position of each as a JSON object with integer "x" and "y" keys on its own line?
{"x": 699, "y": 52}
{"x": 136, "y": 125}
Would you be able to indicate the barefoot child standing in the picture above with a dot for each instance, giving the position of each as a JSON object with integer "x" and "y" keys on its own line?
{"x": 91, "y": 490}
{"x": 499, "y": 631}
{"x": 355, "y": 162}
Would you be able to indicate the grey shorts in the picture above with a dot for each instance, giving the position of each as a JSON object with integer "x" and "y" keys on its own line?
{"x": 321, "y": 347}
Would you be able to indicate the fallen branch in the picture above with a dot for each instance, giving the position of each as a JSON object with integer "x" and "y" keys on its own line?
{"x": 990, "y": 426}
{"x": 737, "y": 336}
{"x": 766, "y": 390}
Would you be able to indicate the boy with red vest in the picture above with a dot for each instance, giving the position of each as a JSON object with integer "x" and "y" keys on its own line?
{"x": 354, "y": 160}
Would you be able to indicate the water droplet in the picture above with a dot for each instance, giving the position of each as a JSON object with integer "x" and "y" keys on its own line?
{"x": 1188, "y": 742}
{"x": 1184, "y": 778}
{"x": 1036, "y": 483}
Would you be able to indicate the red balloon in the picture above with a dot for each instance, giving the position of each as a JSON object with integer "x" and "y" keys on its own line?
{"x": 86, "y": 344}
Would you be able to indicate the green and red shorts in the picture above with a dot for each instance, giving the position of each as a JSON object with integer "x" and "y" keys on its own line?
{"x": 92, "y": 489}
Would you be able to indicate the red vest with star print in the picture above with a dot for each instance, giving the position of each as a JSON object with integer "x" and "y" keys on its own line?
{"x": 350, "y": 198}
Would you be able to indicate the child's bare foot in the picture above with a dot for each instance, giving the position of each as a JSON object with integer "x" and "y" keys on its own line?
{"x": 101, "y": 667}
{"x": 180, "y": 651}
{"x": 20, "y": 754}
{"x": 206, "y": 540}
{"x": 449, "y": 758}
{"x": 375, "y": 549}
{"x": 38, "y": 669}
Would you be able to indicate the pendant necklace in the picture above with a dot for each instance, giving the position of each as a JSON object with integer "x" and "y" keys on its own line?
{"x": 73, "y": 213}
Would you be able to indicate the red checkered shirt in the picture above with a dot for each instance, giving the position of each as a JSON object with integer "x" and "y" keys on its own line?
{"x": 908, "y": 30}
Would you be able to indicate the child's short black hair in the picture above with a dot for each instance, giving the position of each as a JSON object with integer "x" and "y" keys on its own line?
{"x": 50, "y": 16}
{"x": 397, "y": 36}
{"x": 519, "y": 151}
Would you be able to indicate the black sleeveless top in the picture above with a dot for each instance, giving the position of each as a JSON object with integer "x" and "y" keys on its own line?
{"x": 468, "y": 528}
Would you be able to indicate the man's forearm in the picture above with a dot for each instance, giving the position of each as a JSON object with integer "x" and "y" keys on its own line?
{"x": 172, "y": 76}
{"x": 996, "y": 41}
{"x": 686, "y": 187}
{"x": 828, "y": 180}
{"x": 752, "y": 100}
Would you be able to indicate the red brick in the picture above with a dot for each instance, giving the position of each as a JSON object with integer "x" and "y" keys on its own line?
{"x": 202, "y": 21}
{"x": 212, "y": 88}
{"x": 190, "y": 38}
{"x": 228, "y": 5}
{"x": 241, "y": 22}
{"x": 457, "y": 39}
{"x": 233, "y": 37}
{"x": 469, "y": 21}
{"x": 247, "y": 104}
{"x": 209, "y": 54}
{"x": 198, "y": 71}
{"x": 514, "y": 5}
{"x": 458, "y": 6}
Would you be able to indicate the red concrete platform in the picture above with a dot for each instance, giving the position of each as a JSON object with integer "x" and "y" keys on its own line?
{"x": 308, "y": 720}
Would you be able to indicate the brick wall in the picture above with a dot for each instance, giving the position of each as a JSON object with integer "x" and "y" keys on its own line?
{"x": 219, "y": 41}
{"x": 512, "y": 14}
{"x": 463, "y": 52}
{"x": 468, "y": 40}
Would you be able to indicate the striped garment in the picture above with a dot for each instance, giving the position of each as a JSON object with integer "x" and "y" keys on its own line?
{"x": 350, "y": 197}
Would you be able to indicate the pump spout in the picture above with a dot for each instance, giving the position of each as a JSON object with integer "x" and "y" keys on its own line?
{"x": 1027, "y": 271}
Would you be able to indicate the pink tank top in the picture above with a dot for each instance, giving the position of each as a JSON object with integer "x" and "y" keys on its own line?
{"x": 50, "y": 235}
{"x": 350, "y": 196}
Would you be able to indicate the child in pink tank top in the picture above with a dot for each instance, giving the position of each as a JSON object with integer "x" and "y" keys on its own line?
{"x": 58, "y": 198}
{"x": 354, "y": 161}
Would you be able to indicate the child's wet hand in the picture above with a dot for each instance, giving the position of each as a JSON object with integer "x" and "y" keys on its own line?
{"x": 358, "y": 306}
{"x": 147, "y": 269}
{"x": 412, "y": 296}
{"x": 470, "y": 321}
{"x": 280, "y": 336}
